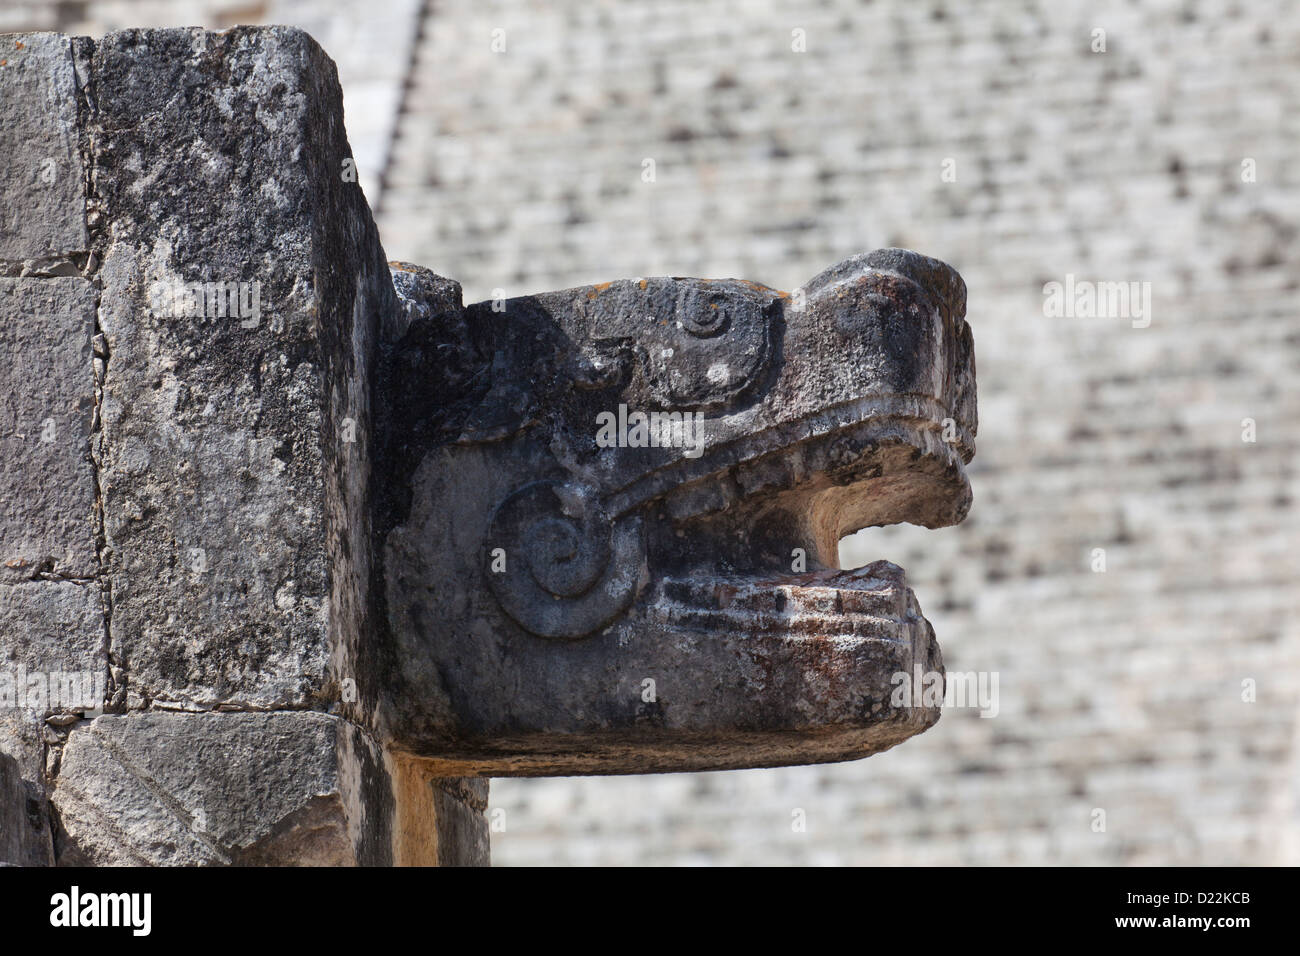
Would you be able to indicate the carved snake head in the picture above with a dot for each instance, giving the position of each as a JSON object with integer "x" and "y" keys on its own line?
{"x": 613, "y": 547}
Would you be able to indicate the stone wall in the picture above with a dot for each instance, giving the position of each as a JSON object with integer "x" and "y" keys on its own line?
{"x": 371, "y": 46}
{"x": 192, "y": 306}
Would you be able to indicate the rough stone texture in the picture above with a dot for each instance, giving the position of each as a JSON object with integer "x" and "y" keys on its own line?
{"x": 48, "y": 626}
{"x": 190, "y": 789}
{"x": 812, "y": 414}
{"x": 42, "y": 186}
{"x": 26, "y": 832}
{"x": 47, "y": 493}
{"x": 211, "y": 547}
{"x": 221, "y": 434}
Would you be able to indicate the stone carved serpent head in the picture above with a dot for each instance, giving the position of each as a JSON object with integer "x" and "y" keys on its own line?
{"x": 611, "y": 542}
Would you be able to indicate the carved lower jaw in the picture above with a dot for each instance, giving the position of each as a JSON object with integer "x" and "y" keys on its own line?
{"x": 752, "y": 671}
{"x": 870, "y": 603}
{"x": 813, "y": 657}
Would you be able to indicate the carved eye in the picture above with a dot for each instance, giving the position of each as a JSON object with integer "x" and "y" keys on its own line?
{"x": 706, "y": 317}
{"x": 720, "y": 346}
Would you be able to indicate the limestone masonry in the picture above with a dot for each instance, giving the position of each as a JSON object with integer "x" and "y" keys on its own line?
{"x": 193, "y": 296}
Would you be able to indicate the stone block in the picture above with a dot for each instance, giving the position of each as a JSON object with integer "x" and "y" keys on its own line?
{"x": 52, "y": 656}
{"x": 239, "y": 294}
{"x": 42, "y": 185}
{"x": 190, "y": 789}
{"x": 47, "y": 404}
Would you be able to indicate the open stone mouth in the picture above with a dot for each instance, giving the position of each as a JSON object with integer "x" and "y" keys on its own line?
{"x": 774, "y": 527}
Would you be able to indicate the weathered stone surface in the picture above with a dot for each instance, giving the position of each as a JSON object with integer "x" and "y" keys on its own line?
{"x": 234, "y": 452}
{"x": 560, "y": 603}
{"x": 43, "y": 209}
{"x": 185, "y": 789}
{"x": 26, "y": 837}
{"x": 303, "y": 789}
{"x": 51, "y": 632}
{"x": 458, "y": 807}
{"x": 47, "y": 493}
{"x": 232, "y": 459}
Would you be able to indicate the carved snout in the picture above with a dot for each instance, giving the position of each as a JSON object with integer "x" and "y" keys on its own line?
{"x": 889, "y": 323}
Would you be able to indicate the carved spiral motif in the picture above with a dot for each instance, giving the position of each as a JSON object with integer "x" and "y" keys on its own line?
{"x": 703, "y": 313}
{"x": 569, "y": 569}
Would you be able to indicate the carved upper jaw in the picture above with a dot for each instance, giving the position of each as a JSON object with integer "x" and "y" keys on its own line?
{"x": 562, "y": 604}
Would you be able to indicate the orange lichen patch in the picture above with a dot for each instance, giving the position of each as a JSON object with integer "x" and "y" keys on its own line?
{"x": 18, "y": 44}
{"x": 643, "y": 284}
{"x": 759, "y": 287}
